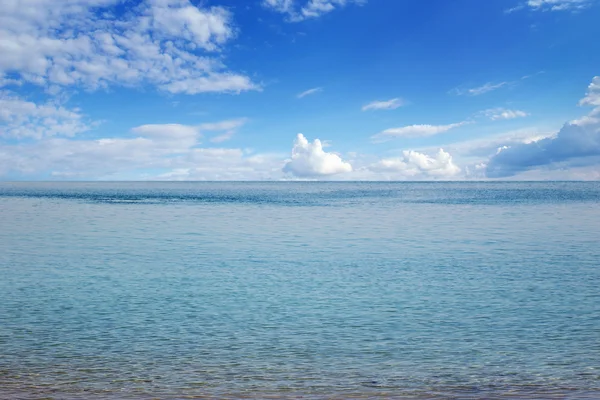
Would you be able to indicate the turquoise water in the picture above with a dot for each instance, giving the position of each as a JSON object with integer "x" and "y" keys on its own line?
{"x": 299, "y": 290}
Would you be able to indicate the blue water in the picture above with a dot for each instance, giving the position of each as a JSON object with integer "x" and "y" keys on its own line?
{"x": 299, "y": 290}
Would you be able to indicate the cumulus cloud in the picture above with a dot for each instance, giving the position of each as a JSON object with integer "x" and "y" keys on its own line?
{"x": 310, "y": 160}
{"x": 306, "y": 9}
{"x": 485, "y": 147}
{"x": 416, "y": 165}
{"x": 576, "y": 144}
{"x": 384, "y": 105}
{"x": 21, "y": 119}
{"x": 573, "y": 143}
{"x": 415, "y": 131}
{"x": 309, "y": 92}
{"x": 592, "y": 98}
{"x": 170, "y": 44}
{"x": 592, "y": 118}
{"x": 496, "y": 114}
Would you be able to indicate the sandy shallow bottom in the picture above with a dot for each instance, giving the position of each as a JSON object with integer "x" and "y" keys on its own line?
{"x": 13, "y": 392}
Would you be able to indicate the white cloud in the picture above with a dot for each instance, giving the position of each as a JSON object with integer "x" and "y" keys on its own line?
{"x": 190, "y": 134}
{"x": 557, "y": 5}
{"x": 4, "y": 81}
{"x": 184, "y": 135}
{"x": 415, "y": 131}
{"x": 223, "y": 137}
{"x": 586, "y": 120}
{"x": 217, "y": 164}
{"x": 174, "y": 150}
{"x": 309, "y": 92}
{"x": 573, "y": 145}
{"x": 384, "y": 105}
{"x": 485, "y": 147}
{"x": 416, "y": 165}
{"x": 592, "y": 97}
{"x": 282, "y": 6}
{"x": 577, "y": 144}
{"x": 223, "y": 125}
{"x": 179, "y": 19}
{"x": 228, "y": 127}
{"x": 20, "y": 119}
{"x": 490, "y": 86}
{"x": 308, "y": 9}
{"x": 496, "y": 114}
{"x": 479, "y": 90}
{"x": 170, "y": 147}
{"x": 165, "y": 43}
{"x": 309, "y": 160}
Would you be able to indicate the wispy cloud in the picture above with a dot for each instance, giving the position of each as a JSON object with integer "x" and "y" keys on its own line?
{"x": 227, "y": 127}
{"x": 490, "y": 86}
{"x": 479, "y": 90}
{"x": 223, "y": 137}
{"x": 282, "y": 6}
{"x": 532, "y": 75}
{"x": 552, "y": 5}
{"x": 173, "y": 147}
{"x": 309, "y": 9}
{"x": 499, "y": 113}
{"x": 183, "y": 135}
{"x": 385, "y": 105}
{"x": 223, "y": 125}
{"x": 412, "y": 131}
{"x": 309, "y": 92}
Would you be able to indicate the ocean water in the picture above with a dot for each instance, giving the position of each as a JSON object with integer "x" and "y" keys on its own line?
{"x": 299, "y": 290}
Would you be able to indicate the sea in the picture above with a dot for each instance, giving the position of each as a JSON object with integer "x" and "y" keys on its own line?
{"x": 299, "y": 290}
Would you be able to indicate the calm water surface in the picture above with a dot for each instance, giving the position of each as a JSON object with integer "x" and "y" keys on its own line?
{"x": 289, "y": 290}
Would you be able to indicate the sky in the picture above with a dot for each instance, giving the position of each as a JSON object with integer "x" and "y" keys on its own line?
{"x": 300, "y": 90}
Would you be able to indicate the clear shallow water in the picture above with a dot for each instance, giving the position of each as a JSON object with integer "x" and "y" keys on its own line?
{"x": 282, "y": 290}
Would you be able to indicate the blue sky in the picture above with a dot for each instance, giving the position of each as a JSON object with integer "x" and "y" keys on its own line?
{"x": 299, "y": 89}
